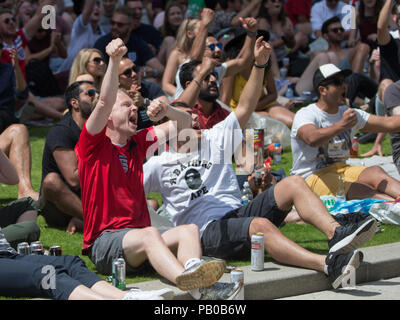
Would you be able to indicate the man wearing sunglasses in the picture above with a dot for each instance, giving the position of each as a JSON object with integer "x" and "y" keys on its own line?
{"x": 60, "y": 192}
{"x": 322, "y": 11}
{"x": 322, "y": 136}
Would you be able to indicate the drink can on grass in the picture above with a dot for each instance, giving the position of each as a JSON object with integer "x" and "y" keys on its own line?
{"x": 257, "y": 252}
{"x": 119, "y": 273}
{"x": 24, "y": 248}
{"x": 55, "y": 251}
{"x": 37, "y": 248}
{"x": 237, "y": 275}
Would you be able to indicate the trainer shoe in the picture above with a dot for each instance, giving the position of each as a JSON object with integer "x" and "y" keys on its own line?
{"x": 221, "y": 291}
{"x": 137, "y": 294}
{"x": 349, "y": 237}
{"x": 341, "y": 265}
{"x": 201, "y": 275}
{"x": 347, "y": 218}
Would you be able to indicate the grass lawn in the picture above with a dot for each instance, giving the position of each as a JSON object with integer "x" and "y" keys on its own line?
{"x": 305, "y": 235}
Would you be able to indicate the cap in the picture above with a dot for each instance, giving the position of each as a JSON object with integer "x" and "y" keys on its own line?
{"x": 326, "y": 72}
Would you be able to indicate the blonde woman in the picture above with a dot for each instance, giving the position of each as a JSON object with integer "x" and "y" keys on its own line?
{"x": 88, "y": 61}
{"x": 179, "y": 55}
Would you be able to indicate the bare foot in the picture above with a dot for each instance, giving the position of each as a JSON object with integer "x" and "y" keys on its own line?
{"x": 74, "y": 225}
{"x": 293, "y": 217}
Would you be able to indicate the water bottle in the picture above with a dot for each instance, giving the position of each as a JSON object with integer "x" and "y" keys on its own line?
{"x": 341, "y": 191}
{"x": 247, "y": 194}
{"x": 289, "y": 92}
{"x": 277, "y": 153}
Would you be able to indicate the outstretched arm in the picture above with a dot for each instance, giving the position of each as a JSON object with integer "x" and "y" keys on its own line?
{"x": 383, "y": 23}
{"x": 199, "y": 43}
{"x": 116, "y": 49}
{"x": 250, "y": 94}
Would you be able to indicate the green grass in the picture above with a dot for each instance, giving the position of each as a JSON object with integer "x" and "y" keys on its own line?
{"x": 305, "y": 235}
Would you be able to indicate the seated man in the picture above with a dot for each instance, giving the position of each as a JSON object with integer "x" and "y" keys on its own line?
{"x": 110, "y": 155}
{"x": 18, "y": 219}
{"x": 198, "y": 185}
{"x": 322, "y": 135}
{"x": 60, "y": 192}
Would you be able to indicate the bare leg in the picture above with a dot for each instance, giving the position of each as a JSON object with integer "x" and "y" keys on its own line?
{"x": 14, "y": 141}
{"x": 358, "y": 55}
{"x": 58, "y": 193}
{"x": 280, "y": 113}
{"x": 146, "y": 244}
{"x": 30, "y": 215}
{"x": 44, "y": 108}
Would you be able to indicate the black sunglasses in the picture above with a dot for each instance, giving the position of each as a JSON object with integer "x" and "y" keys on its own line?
{"x": 333, "y": 0}
{"x": 336, "y": 30}
{"x": 211, "y": 74}
{"x": 336, "y": 82}
{"x": 118, "y": 24}
{"x": 212, "y": 46}
{"x": 92, "y": 92}
{"x": 128, "y": 72}
{"x": 98, "y": 60}
{"x": 8, "y": 20}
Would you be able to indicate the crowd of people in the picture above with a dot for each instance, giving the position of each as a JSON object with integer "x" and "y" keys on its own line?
{"x": 154, "y": 96}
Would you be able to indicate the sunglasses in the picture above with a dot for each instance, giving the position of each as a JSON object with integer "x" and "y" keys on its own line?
{"x": 212, "y": 46}
{"x": 128, "y": 72}
{"x": 118, "y": 24}
{"x": 92, "y": 92}
{"x": 332, "y": 0}
{"x": 98, "y": 60}
{"x": 8, "y": 20}
{"x": 337, "y": 30}
{"x": 211, "y": 74}
{"x": 336, "y": 82}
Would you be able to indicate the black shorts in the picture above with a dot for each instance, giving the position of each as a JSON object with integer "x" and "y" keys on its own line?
{"x": 228, "y": 238}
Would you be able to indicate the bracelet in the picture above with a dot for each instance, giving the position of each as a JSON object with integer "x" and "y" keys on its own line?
{"x": 198, "y": 83}
{"x": 251, "y": 34}
{"x": 260, "y": 67}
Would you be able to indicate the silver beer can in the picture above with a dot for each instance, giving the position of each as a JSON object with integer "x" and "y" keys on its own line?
{"x": 119, "y": 273}
{"x": 24, "y": 248}
{"x": 257, "y": 252}
{"x": 237, "y": 275}
{"x": 37, "y": 248}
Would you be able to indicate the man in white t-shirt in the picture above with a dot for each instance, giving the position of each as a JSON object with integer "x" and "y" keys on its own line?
{"x": 198, "y": 185}
{"x": 322, "y": 135}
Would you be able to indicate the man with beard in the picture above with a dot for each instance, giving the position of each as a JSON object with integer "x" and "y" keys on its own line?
{"x": 322, "y": 135}
{"x": 60, "y": 193}
{"x": 138, "y": 50}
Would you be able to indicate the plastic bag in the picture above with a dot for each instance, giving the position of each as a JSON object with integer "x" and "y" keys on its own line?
{"x": 336, "y": 207}
{"x": 386, "y": 212}
{"x": 274, "y": 130}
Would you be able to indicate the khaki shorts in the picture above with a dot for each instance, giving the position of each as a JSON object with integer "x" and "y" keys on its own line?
{"x": 325, "y": 181}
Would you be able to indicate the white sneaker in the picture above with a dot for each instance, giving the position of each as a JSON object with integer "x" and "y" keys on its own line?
{"x": 137, "y": 294}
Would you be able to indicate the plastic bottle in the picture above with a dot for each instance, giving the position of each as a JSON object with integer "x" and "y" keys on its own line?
{"x": 247, "y": 194}
{"x": 258, "y": 167}
{"x": 289, "y": 92}
{"x": 341, "y": 191}
{"x": 277, "y": 153}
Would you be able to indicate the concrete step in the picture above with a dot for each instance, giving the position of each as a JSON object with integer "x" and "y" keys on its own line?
{"x": 278, "y": 281}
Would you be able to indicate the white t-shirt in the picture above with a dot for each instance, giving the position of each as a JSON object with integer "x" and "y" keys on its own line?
{"x": 200, "y": 186}
{"x": 306, "y": 159}
{"x": 82, "y": 36}
{"x": 320, "y": 13}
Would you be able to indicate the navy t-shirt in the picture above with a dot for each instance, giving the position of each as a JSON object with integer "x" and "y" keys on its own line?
{"x": 138, "y": 50}
{"x": 390, "y": 60}
{"x": 149, "y": 34}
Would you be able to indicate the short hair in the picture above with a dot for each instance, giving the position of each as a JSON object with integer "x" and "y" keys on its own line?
{"x": 73, "y": 91}
{"x": 125, "y": 11}
{"x": 186, "y": 72}
{"x": 327, "y": 23}
{"x": 4, "y": 10}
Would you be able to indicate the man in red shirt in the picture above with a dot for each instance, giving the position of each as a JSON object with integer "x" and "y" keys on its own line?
{"x": 110, "y": 155}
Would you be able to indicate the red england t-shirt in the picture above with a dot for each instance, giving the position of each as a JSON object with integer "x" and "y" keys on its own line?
{"x": 111, "y": 178}
{"x": 20, "y": 41}
{"x": 208, "y": 121}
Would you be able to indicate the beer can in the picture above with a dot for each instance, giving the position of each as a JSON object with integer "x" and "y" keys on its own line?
{"x": 37, "y": 248}
{"x": 119, "y": 273}
{"x": 258, "y": 175}
{"x": 55, "y": 251}
{"x": 257, "y": 252}
{"x": 237, "y": 275}
{"x": 24, "y": 248}
{"x": 354, "y": 148}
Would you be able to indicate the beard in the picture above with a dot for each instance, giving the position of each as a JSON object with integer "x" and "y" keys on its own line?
{"x": 86, "y": 109}
{"x": 208, "y": 96}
